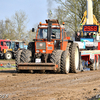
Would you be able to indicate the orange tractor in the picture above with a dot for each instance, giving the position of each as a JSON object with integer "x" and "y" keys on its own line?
{"x": 51, "y": 50}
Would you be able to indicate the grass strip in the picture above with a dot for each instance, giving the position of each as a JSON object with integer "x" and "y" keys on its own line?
{"x": 1, "y": 68}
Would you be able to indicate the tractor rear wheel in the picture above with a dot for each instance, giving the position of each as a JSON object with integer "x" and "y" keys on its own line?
{"x": 17, "y": 59}
{"x": 74, "y": 57}
{"x": 56, "y": 58}
{"x": 65, "y": 62}
{"x": 8, "y": 55}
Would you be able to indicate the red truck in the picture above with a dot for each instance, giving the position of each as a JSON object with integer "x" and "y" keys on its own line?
{"x": 5, "y": 45}
{"x": 8, "y": 48}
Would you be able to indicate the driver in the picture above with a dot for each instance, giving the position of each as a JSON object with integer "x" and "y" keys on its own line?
{"x": 17, "y": 46}
{"x": 5, "y": 44}
{"x": 41, "y": 34}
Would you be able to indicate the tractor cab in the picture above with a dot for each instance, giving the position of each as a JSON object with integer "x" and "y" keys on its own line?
{"x": 17, "y": 45}
{"x": 50, "y": 36}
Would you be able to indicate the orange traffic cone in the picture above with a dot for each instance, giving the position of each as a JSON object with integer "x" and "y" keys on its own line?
{"x": 1, "y": 64}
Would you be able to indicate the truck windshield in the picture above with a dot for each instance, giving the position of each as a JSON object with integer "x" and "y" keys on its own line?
{"x": 21, "y": 44}
{"x": 8, "y": 44}
{"x": 42, "y": 34}
{"x": 13, "y": 46}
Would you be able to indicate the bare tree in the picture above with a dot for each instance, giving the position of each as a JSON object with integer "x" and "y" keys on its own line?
{"x": 14, "y": 28}
{"x": 49, "y": 8}
{"x": 9, "y": 29}
{"x": 72, "y": 11}
{"x": 2, "y": 28}
{"x": 96, "y": 9}
{"x": 20, "y": 22}
{"x": 31, "y": 35}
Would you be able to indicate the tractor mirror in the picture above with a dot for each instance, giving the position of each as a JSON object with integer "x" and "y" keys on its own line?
{"x": 33, "y": 29}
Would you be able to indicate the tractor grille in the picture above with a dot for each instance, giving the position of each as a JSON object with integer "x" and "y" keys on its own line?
{"x": 40, "y": 45}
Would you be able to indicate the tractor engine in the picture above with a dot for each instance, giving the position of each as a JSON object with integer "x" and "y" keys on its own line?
{"x": 43, "y": 51}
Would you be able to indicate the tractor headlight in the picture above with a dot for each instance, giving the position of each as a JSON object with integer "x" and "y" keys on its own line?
{"x": 37, "y": 51}
{"x": 43, "y": 51}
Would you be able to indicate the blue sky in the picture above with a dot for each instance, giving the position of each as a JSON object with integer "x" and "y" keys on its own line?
{"x": 36, "y": 10}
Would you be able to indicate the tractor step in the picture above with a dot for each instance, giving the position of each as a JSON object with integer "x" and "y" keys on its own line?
{"x": 36, "y": 66}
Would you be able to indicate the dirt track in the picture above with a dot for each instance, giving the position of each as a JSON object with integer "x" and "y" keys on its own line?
{"x": 7, "y": 61}
{"x": 27, "y": 86}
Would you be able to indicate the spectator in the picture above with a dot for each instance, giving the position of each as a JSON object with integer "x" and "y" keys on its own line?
{"x": 77, "y": 37}
{"x": 89, "y": 35}
{"x": 94, "y": 36}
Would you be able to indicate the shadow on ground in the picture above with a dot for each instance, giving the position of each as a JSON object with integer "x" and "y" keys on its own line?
{"x": 8, "y": 71}
{"x": 28, "y": 71}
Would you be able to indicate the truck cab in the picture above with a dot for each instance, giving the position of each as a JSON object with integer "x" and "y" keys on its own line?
{"x": 4, "y": 46}
{"x": 8, "y": 48}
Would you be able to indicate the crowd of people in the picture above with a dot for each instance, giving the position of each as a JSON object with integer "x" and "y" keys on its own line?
{"x": 78, "y": 36}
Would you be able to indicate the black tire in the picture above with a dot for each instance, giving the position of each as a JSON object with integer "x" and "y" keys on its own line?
{"x": 65, "y": 62}
{"x": 26, "y": 56}
{"x": 17, "y": 59}
{"x": 56, "y": 58}
{"x": 97, "y": 63}
{"x": 31, "y": 46}
{"x": 93, "y": 65}
{"x": 8, "y": 55}
{"x": 74, "y": 57}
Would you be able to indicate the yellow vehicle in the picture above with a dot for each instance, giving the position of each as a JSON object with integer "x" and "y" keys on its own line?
{"x": 84, "y": 20}
{"x": 12, "y": 47}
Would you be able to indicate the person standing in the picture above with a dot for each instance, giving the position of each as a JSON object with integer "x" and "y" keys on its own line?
{"x": 89, "y": 35}
{"x": 77, "y": 37}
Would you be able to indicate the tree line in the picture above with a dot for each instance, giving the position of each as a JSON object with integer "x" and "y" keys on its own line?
{"x": 16, "y": 28}
{"x": 68, "y": 11}
{"x": 72, "y": 11}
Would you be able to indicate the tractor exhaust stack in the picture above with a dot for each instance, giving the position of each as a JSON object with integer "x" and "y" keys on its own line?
{"x": 49, "y": 30}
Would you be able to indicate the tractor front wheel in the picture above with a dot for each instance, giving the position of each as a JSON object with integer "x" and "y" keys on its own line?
{"x": 65, "y": 62}
{"x": 26, "y": 56}
{"x": 56, "y": 58}
{"x": 17, "y": 60}
{"x": 8, "y": 55}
